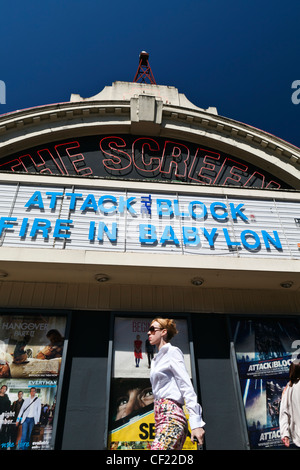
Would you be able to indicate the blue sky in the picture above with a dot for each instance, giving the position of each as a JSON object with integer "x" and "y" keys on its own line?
{"x": 241, "y": 56}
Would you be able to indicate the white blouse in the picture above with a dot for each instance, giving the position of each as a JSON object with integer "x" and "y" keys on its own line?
{"x": 289, "y": 416}
{"x": 170, "y": 379}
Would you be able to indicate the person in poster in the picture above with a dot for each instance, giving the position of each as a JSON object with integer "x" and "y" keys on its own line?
{"x": 55, "y": 347}
{"x": 4, "y": 413}
{"x": 131, "y": 413}
{"x": 138, "y": 350}
{"x": 18, "y": 390}
{"x": 29, "y": 415}
{"x": 130, "y": 397}
{"x": 150, "y": 350}
{"x": 171, "y": 386}
{"x": 4, "y": 400}
{"x": 31, "y": 346}
{"x": 16, "y": 431}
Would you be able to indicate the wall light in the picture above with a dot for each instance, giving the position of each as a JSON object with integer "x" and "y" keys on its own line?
{"x": 101, "y": 277}
{"x": 197, "y": 281}
{"x": 286, "y": 284}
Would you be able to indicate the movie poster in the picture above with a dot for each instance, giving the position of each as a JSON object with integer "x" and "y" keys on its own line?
{"x": 31, "y": 349}
{"x": 131, "y": 423}
{"x": 264, "y": 351}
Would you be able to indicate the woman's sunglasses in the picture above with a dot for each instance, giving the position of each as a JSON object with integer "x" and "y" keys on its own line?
{"x": 152, "y": 329}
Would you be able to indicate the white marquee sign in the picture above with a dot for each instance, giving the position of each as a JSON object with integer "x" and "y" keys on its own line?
{"x": 82, "y": 218}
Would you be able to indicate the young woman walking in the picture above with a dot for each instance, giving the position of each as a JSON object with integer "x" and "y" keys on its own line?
{"x": 172, "y": 387}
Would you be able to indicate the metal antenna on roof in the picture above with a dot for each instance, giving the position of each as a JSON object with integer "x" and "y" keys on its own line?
{"x": 144, "y": 71}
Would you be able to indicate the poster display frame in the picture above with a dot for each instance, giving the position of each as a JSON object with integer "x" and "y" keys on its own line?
{"x": 252, "y": 439}
{"x": 42, "y": 312}
{"x": 177, "y": 316}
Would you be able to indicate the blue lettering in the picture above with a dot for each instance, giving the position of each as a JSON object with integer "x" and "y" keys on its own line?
{"x": 35, "y": 200}
{"x": 228, "y": 240}
{"x": 126, "y": 204}
{"x": 146, "y": 204}
{"x": 236, "y": 211}
{"x": 23, "y": 228}
{"x": 250, "y": 233}
{"x": 73, "y": 197}
{"x": 193, "y": 214}
{"x": 111, "y": 235}
{"x": 169, "y": 236}
{"x": 54, "y": 195}
{"x": 147, "y": 233}
{"x": 190, "y": 236}
{"x": 4, "y": 225}
{"x": 213, "y": 207}
{"x": 91, "y": 235}
{"x": 275, "y": 241}
{"x": 210, "y": 236}
{"x": 164, "y": 207}
{"x": 107, "y": 210}
{"x": 62, "y": 224}
{"x": 89, "y": 203}
{"x": 40, "y": 225}
{"x": 177, "y": 211}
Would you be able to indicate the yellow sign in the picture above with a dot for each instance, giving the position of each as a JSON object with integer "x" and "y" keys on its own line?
{"x": 138, "y": 434}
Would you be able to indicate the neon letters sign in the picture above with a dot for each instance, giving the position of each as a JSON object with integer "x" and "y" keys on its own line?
{"x": 140, "y": 158}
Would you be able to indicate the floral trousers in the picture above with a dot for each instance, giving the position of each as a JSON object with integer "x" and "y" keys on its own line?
{"x": 170, "y": 425}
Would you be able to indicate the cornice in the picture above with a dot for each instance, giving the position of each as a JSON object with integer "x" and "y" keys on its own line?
{"x": 66, "y": 113}
{"x": 23, "y": 129}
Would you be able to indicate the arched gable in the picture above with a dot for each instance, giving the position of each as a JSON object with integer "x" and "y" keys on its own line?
{"x": 218, "y": 151}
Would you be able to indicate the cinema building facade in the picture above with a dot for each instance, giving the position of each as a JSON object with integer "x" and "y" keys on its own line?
{"x": 126, "y": 206}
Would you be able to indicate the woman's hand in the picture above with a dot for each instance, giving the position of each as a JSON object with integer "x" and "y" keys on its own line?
{"x": 286, "y": 441}
{"x": 197, "y": 434}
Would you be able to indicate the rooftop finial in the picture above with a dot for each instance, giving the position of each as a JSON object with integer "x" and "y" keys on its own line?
{"x": 144, "y": 71}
